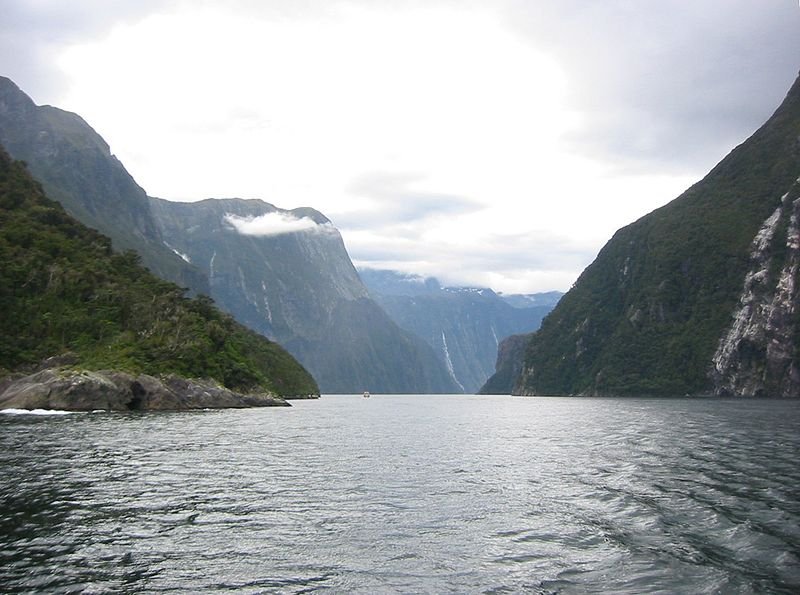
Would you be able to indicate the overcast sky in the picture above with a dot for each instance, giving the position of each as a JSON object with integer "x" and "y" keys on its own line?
{"x": 497, "y": 143}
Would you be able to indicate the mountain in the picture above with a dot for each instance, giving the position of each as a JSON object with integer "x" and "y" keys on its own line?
{"x": 510, "y": 357}
{"x": 287, "y": 275}
{"x": 66, "y": 295}
{"x": 297, "y": 288}
{"x": 463, "y": 325}
{"x": 698, "y": 297}
{"x": 76, "y": 168}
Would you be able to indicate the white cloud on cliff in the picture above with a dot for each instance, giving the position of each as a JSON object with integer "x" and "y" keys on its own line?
{"x": 273, "y": 224}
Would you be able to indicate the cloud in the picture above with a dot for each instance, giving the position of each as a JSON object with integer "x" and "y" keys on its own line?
{"x": 510, "y": 262}
{"x": 33, "y": 34}
{"x": 492, "y": 142}
{"x": 393, "y": 198}
{"x": 667, "y": 84}
{"x": 277, "y": 223}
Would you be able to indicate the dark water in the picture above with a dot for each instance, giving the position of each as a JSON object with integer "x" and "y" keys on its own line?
{"x": 408, "y": 495}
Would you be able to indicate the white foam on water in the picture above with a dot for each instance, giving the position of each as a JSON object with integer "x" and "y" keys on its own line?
{"x": 35, "y": 412}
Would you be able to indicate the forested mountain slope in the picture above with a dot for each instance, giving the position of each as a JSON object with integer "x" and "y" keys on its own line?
{"x": 698, "y": 297}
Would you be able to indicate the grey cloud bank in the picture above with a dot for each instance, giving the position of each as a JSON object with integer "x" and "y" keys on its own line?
{"x": 392, "y": 199}
{"x": 668, "y": 83}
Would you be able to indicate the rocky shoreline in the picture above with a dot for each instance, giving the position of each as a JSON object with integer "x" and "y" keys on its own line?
{"x": 80, "y": 390}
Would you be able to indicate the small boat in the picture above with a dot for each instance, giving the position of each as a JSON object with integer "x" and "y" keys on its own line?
{"x": 366, "y": 394}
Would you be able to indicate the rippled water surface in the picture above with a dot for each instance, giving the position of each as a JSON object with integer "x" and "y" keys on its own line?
{"x": 406, "y": 494}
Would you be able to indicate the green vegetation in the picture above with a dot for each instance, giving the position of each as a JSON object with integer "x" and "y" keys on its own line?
{"x": 76, "y": 168}
{"x": 647, "y": 315}
{"x": 63, "y": 289}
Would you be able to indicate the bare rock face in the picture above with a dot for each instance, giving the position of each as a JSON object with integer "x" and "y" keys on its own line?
{"x": 757, "y": 355}
{"x": 71, "y": 390}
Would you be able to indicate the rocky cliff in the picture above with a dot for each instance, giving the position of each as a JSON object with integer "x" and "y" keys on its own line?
{"x": 757, "y": 355}
{"x": 287, "y": 275}
{"x": 76, "y": 168}
{"x": 698, "y": 297}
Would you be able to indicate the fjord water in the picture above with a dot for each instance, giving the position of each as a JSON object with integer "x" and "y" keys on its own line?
{"x": 407, "y": 494}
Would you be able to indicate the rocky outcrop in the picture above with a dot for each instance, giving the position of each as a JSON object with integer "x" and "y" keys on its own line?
{"x": 71, "y": 390}
{"x": 757, "y": 355}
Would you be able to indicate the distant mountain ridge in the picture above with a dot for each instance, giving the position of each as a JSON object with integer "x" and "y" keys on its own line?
{"x": 698, "y": 297}
{"x": 464, "y": 325}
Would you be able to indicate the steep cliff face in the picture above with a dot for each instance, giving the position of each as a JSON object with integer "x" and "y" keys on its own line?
{"x": 76, "y": 168}
{"x": 697, "y": 297}
{"x": 278, "y": 284}
{"x": 287, "y": 275}
{"x": 757, "y": 355}
{"x": 463, "y": 325}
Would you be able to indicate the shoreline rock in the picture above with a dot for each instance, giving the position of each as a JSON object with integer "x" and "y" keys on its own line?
{"x": 81, "y": 390}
